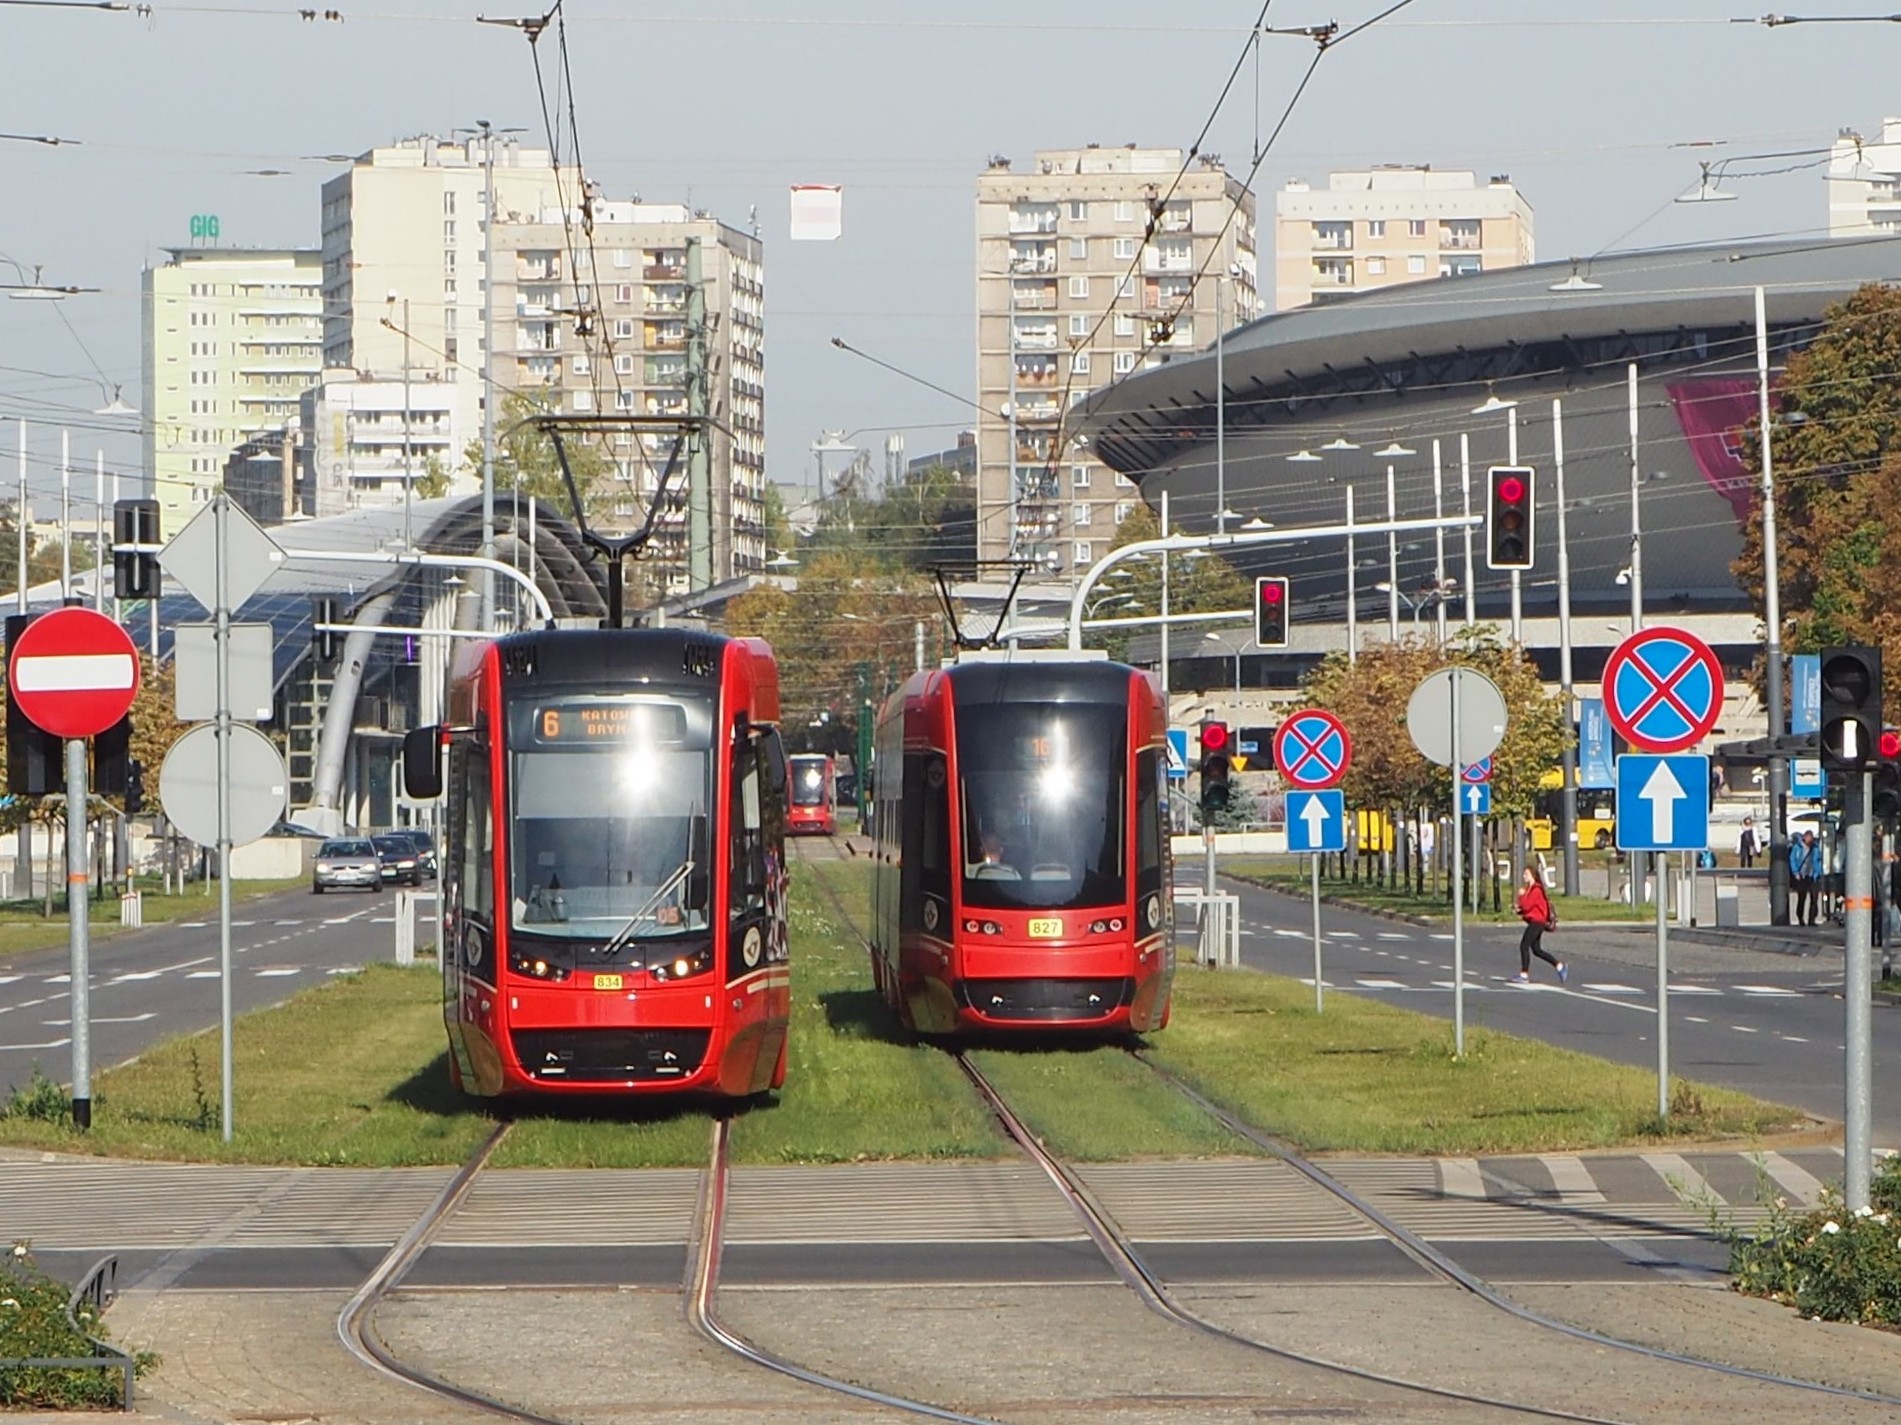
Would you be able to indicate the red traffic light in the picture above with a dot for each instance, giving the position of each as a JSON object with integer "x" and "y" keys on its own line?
{"x": 1511, "y": 489}
{"x": 1214, "y": 736}
{"x": 1890, "y": 744}
{"x": 1272, "y": 591}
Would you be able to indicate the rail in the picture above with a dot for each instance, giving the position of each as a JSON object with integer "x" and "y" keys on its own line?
{"x": 96, "y": 1288}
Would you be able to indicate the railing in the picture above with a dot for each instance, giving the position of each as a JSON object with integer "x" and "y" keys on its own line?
{"x": 96, "y": 1289}
{"x": 1218, "y": 928}
{"x": 1469, "y": 242}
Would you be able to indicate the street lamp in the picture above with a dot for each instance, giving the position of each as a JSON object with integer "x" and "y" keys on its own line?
{"x": 1217, "y": 638}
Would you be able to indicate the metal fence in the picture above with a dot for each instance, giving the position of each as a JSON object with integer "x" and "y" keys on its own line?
{"x": 95, "y": 1289}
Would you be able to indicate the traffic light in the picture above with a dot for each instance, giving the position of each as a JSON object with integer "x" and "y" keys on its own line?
{"x": 323, "y": 610}
{"x": 135, "y": 576}
{"x": 1508, "y": 517}
{"x": 1270, "y": 611}
{"x": 112, "y": 758}
{"x": 1851, "y": 708}
{"x": 1216, "y": 750}
{"x": 36, "y": 759}
{"x": 1887, "y": 801}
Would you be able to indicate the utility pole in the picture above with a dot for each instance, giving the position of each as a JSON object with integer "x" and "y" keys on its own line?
{"x": 699, "y": 465}
{"x": 488, "y": 371}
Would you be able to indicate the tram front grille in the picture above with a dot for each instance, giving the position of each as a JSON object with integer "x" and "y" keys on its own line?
{"x": 601, "y": 1055}
{"x": 1047, "y": 1000}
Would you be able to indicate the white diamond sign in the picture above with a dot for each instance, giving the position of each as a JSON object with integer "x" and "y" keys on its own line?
{"x": 250, "y": 557}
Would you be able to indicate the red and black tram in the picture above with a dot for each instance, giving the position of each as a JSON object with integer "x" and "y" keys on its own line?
{"x": 1021, "y": 877}
{"x": 814, "y": 801}
{"x": 613, "y": 873}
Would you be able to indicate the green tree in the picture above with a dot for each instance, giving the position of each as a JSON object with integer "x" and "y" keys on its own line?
{"x": 525, "y": 457}
{"x": 1837, "y": 446}
{"x": 1133, "y": 588}
{"x": 433, "y": 483}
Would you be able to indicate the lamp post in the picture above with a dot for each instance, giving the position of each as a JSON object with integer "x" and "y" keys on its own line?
{"x": 1772, "y": 619}
{"x": 21, "y": 519}
{"x": 1568, "y": 795}
{"x": 1217, "y": 638}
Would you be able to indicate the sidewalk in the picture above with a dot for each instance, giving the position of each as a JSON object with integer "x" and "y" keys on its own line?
{"x": 1752, "y": 930}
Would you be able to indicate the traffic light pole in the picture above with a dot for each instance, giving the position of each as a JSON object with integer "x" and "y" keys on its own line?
{"x": 1858, "y": 990}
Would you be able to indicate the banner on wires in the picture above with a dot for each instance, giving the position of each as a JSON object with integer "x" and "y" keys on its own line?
{"x": 1594, "y": 745}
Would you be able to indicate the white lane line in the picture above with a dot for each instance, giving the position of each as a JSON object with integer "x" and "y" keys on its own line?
{"x": 1775, "y": 990}
{"x": 344, "y": 970}
{"x": 1694, "y": 990}
{"x": 194, "y": 925}
{"x": 57, "y": 980}
{"x": 134, "y": 975}
{"x": 1440, "y": 935}
{"x": 286, "y": 922}
{"x": 1792, "y": 1039}
{"x": 267, "y": 974}
{"x": 1612, "y": 989}
{"x": 1695, "y": 1019}
{"x": 1745, "y": 1029}
{"x": 1793, "y": 1178}
{"x": 9, "y": 979}
{"x": 104, "y": 1019}
{"x": 203, "y": 975}
{"x": 50, "y": 1044}
{"x": 1393, "y": 935}
{"x": 1380, "y": 984}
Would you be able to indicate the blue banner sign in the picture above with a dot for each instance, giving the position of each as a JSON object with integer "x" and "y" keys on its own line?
{"x": 1805, "y": 707}
{"x": 1594, "y": 745}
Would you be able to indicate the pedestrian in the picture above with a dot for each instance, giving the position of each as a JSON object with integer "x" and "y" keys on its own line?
{"x": 1746, "y": 845}
{"x": 1534, "y": 908}
{"x": 1805, "y": 876}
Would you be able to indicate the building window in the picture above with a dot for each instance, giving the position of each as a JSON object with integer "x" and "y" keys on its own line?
{"x": 583, "y": 400}
{"x": 624, "y": 292}
{"x": 1416, "y": 265}
{"x": 1459, "y": 233}
{"x": 623, "y": 327}
{"x": 1460, "y": 265}
{"x": 623, "y": 364}
{"x": 1079, "y": 286}
{"x": 623, "y": 257}
{"x": 581, "y": 365}
{"x": 1079, "y": 324}
{"x": 623, "y": 400}
{"x": 1079, "y": 363}
{"x": 1080, "y": 514}
{"x": 1125, "y": 324}
{"x": 1125, "y": 212}
{"x": 1125, "y": 284}
{"x": 1078, "y": 211}
{"x": 1084, "y": 554}
{"x": 1376, "y": 267}
{"x": 448, "y": 201}
{"x": 1125, "y": 248}
{"x": 1333, "y": 271}
{"x": 1125, "y": 362}
{"x": 1079, "y": 249}
{"x": 1415, "y": 227}
{"x": 1336, "y": 235}
{"x": 1376, "y": 227}
{"x": 448, "y": 232}
{"x": 1079, "y": 476}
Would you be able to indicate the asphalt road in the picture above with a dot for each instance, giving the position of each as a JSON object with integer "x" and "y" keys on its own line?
{"x": 1766, "y": 1023}
{"x": 161, "y": 981}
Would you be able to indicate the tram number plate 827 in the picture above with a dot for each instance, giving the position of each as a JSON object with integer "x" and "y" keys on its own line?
{"x": 1045, "y": 929}
{"x": 607, "y": 982}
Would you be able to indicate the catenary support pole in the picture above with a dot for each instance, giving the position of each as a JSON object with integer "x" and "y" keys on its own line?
{"x": 1772, "y": 627}
{"x": 1568, "y": 795}
{"x": 1858, "y": 990}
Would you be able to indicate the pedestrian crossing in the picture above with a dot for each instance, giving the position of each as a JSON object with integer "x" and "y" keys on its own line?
{"x": 75, "y": 1204}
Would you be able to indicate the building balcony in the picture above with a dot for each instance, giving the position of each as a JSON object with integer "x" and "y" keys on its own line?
{"x": 664, "y": 272}
{"x": 1457, "y": 241}
{"x": 1153, "y": 261}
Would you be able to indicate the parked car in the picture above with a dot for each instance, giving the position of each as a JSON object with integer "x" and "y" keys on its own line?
{"x": 398, "y": 860}
{"x": 425, "y": 849}
{"x": 343, "y": 862}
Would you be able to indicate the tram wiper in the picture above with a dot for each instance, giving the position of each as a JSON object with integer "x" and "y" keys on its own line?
{"x": 646, "y": 912}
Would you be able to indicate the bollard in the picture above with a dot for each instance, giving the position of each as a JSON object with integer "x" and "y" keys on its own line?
{"x": 405, "y": 928}
{"x": 132, "y": 908}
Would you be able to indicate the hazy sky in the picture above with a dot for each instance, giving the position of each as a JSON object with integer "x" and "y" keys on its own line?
{"x": 725, "y": 103}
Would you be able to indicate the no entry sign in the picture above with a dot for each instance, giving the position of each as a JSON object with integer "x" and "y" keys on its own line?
{"x": 73, "y": 672}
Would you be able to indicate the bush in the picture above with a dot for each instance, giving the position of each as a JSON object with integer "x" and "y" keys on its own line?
{"x": 34, "y": 1325}
{"x": 1830, "y": 1264}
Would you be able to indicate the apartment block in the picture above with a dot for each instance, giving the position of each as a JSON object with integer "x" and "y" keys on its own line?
{"x": 589, "y": 306}
{"x": 232, "y": 336}
{"x": 1864, "y": 183}
{"x": 1092, "y": 263}
{"x": 1397, "y": 223}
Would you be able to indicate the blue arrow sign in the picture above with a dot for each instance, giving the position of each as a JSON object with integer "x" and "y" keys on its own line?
{"x": 1475, "y": 799}
{"x": 1177, "y": 754}
{"x": 1663, "y": 803}
{"x": 1316, "y": 821}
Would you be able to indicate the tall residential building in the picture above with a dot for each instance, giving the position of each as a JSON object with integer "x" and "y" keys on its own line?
{"x": 1864, "y": 183}
{"x": 589, "y": 304}
{"x": 1091, "y": 263}
{"x": 232, "y": 336}
{"x": 1396, "y": 223}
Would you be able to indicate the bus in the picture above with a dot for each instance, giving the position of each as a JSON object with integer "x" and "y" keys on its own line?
{"x": 1597, "y": 815}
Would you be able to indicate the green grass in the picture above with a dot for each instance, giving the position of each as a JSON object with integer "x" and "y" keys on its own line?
{"x": 354, "y": 1073}
{"x": 1290, "y": 874}
{"x": 1362, "y": 1076}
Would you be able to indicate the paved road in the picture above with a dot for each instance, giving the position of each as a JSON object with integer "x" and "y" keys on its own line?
{"x": 1767, "y": 1023}
{"x": 153, "y": 984}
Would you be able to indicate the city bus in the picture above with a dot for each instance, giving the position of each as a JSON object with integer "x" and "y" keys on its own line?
{"x": 1597, "y": 815}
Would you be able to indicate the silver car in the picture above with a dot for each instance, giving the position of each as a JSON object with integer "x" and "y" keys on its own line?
{"x": 346, "y": 861}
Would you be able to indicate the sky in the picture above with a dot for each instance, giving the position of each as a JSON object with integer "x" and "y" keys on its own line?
{"x": 229, "y": 108}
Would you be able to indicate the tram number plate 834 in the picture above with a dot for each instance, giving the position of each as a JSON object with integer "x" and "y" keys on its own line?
{"x": 1045, "y": 929}
{"x": 607, "y": 982}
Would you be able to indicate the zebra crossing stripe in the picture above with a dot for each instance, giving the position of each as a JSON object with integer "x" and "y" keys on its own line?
{"x": 1801, "y": 1185}
{"x": 1572, "y": 1179}
{"x": 1460, "y": 1177}
{"x": 1684, "y": 1180}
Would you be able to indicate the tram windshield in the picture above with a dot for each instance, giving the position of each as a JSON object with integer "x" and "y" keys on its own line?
{"x": 808, "y": 781}
{"x": 1043, "y": 787}
{"x": 609, "y": 808}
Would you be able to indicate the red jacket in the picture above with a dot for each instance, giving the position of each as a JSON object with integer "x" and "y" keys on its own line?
{"x": 1534, "y": 906}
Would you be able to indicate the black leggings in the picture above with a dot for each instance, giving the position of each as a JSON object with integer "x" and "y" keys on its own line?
{"x": 1532, "y": 942}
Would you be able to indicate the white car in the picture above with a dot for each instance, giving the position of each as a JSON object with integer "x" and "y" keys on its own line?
{"x": 343, "y": 862}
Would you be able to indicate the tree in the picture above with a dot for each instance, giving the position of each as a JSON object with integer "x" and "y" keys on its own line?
{"x": 1837, "y": 447}
{"x": 433, "y": 483}
{"x": 1206, "y": 585}
{"x": 525, "y": 458}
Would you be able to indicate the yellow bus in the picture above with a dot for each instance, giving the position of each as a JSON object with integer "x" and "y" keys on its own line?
{"x": 1597, "y": 815}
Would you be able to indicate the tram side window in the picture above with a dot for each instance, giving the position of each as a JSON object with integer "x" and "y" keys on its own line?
{"x": 934, "y": 847}
{"x": 1148, "y": 823}
{"x": 747, "y": 892}
{"x": 478, "y": 835}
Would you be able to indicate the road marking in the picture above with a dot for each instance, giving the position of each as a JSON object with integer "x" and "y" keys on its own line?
{"x": 267, "y": 974}
{"x": 1380, "y": 984}
{"x": 1393, "y": 935}
{"x": 1685, "y": 1181}
{"x": 1440, "y": 935}
{"x": 344, "y": 970}
{"x": 51, "y": 1044}
{"x": 9, "y": 979}
{"x": 104, "y": 1019}
{"x": 134, "y": 975}
{"x": 1694, "y": 990}
{"x": 1776, "y": 990}
{"x": 57, "y": 980}
{"x": 1793, "y": 1039}
{"x": 286, "y": 922}
{"x": 1571, "y": 1178}
{"x": 1745, "y": 1029}
{"x": 1613, "y": 989}
{"x": 1695, "y": 1019}
{"x": 194, "y": 925}
{"x": 203, "y": 975}
{"x": 1793, "y": 1178}
{"x": 1460, "y": 1177}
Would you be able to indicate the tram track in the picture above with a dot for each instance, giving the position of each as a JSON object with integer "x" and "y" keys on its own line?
{"x": 1153, "y": 1293}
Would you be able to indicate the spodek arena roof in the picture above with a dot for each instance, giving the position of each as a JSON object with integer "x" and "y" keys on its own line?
{"x": 1370, "y": 382}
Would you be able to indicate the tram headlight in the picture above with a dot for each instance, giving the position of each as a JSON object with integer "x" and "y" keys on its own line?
{"x": 682, "y": 967}
{"x": 536, "y": 967}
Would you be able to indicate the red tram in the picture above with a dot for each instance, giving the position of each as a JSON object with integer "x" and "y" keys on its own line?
{"x": 814, "y": 805}
{"x": 1021, "y": 874}
{"x": 613, "y": 876}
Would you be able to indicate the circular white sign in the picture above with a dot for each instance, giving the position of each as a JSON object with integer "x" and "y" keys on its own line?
{"x": 1481, "y": 716}
{"x": 188, "y": 785}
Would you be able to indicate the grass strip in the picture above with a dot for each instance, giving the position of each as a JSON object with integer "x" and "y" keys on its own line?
{"x": 1367, "y": 1077}
{"x": 24, "y": 927}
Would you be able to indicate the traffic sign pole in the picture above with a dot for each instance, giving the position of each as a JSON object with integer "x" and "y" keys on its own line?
{"x": 1858, "y": 990}
{"x": 1661, "y": 861}
{"x": 1313, "y": 866}
{"x": 78, "y": 906}
{"x": 223, "y": 612}
{"x": 1458, "y": 889}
